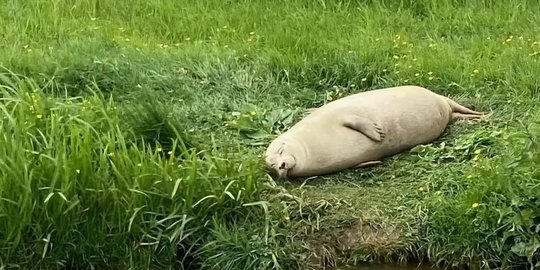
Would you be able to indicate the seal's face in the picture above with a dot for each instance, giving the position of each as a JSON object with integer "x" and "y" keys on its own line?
{"x": 280, "y": 164}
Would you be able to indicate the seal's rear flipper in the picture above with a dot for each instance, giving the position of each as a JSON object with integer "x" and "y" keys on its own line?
{"x": 458, "y": 108}
{"x": 466, "y": 116}
{"x": 368, "y": 164}
{"x": 365, "y": 126}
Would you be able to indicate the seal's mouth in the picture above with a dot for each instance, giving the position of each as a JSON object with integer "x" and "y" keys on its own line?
{"x": 280, "y": 165}
{"x": 282, "y": 170}
{"x": 282, "y": 173}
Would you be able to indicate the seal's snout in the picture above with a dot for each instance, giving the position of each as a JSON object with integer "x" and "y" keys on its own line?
{"x": 282, "y": 170}
{"x": 280, "y": 165}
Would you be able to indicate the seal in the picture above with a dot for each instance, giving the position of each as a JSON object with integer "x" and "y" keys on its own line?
{"x": 362, "y": 129}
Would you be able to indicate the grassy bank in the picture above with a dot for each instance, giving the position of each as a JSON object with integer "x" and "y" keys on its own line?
{"x": 133, "y": 134}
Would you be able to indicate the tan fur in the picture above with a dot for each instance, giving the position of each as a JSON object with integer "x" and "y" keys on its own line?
{"x": 361, "y": 129}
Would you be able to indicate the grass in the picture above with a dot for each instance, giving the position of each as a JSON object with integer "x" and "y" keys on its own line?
{"x": 132, "y": 134}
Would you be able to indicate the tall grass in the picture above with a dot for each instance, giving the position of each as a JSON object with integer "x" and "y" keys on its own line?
{"x": 75, "y": 192}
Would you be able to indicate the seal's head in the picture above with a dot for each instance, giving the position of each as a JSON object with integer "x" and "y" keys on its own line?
{"x": 280, "y": 163}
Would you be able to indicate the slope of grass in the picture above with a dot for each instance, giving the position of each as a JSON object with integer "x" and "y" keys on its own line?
{"x": 134, "y": 133}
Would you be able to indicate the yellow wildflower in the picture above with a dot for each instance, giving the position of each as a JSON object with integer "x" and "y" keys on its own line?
{"x": 329, "y": 96}
{"x": 474, "y": 205}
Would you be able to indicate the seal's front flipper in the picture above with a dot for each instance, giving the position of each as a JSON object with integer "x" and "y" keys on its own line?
{"x": 365, "y": 126}
{"x": 368, "y": 164}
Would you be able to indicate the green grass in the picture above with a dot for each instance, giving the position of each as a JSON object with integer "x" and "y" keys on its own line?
{"x": 132, "y": 134}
